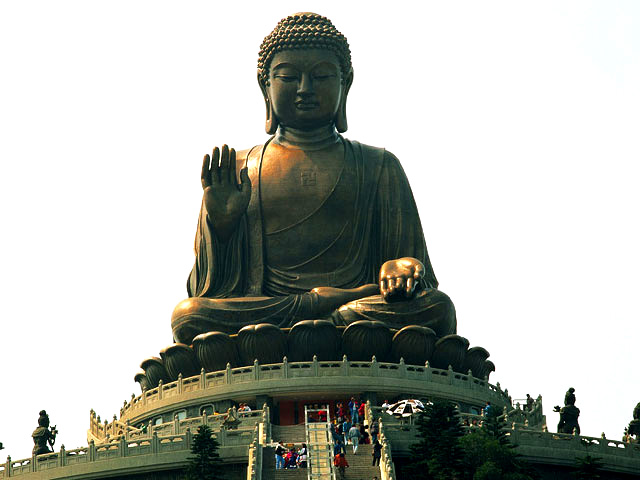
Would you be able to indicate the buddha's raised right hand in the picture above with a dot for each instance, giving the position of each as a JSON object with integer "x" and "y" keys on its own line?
{"x": 225, "y": 199}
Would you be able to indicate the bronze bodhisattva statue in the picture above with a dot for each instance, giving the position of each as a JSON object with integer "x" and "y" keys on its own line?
{"x": 318, "y": 226}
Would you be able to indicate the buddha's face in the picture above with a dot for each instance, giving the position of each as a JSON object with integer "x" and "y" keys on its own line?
{"x": 305, "y": 87}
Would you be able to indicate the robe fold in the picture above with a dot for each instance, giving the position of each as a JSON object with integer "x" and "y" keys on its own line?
{"x": 384, "y": 225}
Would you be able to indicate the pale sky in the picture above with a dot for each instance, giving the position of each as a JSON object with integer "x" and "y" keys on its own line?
{"x": 516, "y": 122}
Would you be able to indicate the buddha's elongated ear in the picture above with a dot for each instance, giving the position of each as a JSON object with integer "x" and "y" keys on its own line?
{"x": 341, "y": 116}
{"x": 271, "y": 124}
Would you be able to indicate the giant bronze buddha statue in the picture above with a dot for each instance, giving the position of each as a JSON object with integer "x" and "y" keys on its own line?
{"x": 308, "y": 225}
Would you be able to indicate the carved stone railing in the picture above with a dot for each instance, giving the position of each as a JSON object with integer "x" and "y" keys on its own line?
{"x": 261, "y": 438}
{"x": 254, "y": 465}
{"x": 116, "y": 429}
{"x": 387, "y": 468}
{"x": 152, "y": 445}
{"x": 226, "y": 382}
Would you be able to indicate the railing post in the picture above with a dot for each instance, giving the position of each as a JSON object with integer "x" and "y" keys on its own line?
{"x": 203, "y": 379}
{"x": 450, "y": 374}
{"x": 34, "y": 463}
{"x": 7, "y": 466}
{"x": 187, "y": 438}
{"x": 256, "y": 369}
{"x": 428, "y": 373}
{"x": 176, "y": 425}
{"x": 227, "y": 374}
{"x": 345, "y": 366}
{"x": 160, "y": 388}
{"x": 403, "y": 368}
{"x": 315, "y": 366}
{"x": 61, "y": 456}
{"x": 285, "y": 367}
{"x": 122, "y": 447}
{"x": 144, "y": 396}
{"x": 92, "y": 451}
{"x": 375, "y": 368}
{"x": 155, "y": 443}
{"x": 179, "y": 383}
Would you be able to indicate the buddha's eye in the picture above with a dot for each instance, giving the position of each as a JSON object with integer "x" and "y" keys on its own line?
{"x": 287, "y": 78}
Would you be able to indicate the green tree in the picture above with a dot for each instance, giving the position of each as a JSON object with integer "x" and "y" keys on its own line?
{"x": 488, "y": 454}
{"x": 205, "y": 464}
{"x": 438, "y": 454}
{"x": 588, "y": 468}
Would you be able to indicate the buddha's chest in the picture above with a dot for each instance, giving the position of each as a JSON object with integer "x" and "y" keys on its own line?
{"x": 296, "y": 185}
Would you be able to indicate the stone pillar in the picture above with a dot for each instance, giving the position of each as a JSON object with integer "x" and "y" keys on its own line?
{"x": 371, "y": 397}
{"x": 223, "y": 405}
{"x": 261, "y": 400}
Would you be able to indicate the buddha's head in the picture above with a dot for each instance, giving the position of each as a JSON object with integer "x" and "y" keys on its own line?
{"x": 305, "y": 73}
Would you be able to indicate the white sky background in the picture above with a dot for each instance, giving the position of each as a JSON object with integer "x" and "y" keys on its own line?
{"x": 517, "y": 124}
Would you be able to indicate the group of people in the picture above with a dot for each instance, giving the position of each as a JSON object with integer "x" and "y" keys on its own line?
{"x": 349, "y": 429}
{"x": 291, "y": 458}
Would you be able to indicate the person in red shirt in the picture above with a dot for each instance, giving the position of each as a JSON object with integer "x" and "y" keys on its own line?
{"x": 340, "y": 461}
{"x": 361, "y": 412}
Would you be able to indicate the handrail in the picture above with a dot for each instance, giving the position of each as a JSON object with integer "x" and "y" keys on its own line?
{"x": 319, "y": 451}
{"x": 387, "y": 468}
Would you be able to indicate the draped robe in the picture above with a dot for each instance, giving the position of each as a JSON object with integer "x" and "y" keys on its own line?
{"x": 381, "y": 223}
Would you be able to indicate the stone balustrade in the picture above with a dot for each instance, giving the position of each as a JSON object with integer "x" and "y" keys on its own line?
{"x": 289, "y": 376}
{"x": 116, "y": 429}
{"x": 166, "y": 438}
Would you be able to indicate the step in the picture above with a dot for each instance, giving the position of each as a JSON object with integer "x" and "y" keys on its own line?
{"x": 360, "y": 464}
{"x": 290, "y": 474}
{"x": 288, "y": 433}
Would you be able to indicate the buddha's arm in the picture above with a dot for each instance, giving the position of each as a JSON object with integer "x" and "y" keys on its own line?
{"x": 225, "y": 199}
{"x": 402, "y": 249}
{"x": 221, "y": 244}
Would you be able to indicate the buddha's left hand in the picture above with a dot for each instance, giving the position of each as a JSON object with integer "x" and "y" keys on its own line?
{"x": 399, "y": 278}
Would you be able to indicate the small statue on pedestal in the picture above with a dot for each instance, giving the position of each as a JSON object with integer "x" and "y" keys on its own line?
{"x": 231, "y": 420}
{"x": 634, "y": 425}
{"x": 43, "y": 436}
{"x": 568, "y": 414}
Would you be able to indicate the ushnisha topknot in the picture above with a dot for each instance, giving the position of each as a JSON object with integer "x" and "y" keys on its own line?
{"x": 301, "y": 31}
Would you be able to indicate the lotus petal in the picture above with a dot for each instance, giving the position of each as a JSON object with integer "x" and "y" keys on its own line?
{"x": 365, "y": 338}
{"x": 414, "y": 343}
{"x": 313, "y": 337}
{"x": 155, "y": 371}
{"x": 214, "y": 350}
{"x": 450, "y": 350}
{"x": 180, "y": 359}
{"x": 264, "y": 342}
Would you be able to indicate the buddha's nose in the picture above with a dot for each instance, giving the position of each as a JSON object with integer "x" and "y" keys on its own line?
{"x": 305, "y": 87}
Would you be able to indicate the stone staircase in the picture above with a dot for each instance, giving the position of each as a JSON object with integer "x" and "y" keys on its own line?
{"x": 360, "y": 465}
{"x": 289, "y": 474}
{"x": 288, "y": 433}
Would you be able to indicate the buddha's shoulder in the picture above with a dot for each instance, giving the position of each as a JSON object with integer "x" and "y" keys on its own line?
{"x": 381, "y": 154}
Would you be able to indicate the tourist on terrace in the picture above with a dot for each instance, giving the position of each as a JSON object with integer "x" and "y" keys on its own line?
{"x": 373, "y": 428}
{"x": 302, "y": 456}
{"x": 354, "y": 436}
{"x": 377, "y": 453}
{"x": 529, "y": 402}
{"x": 353, "y": 408}
{"x": 290, "y": 460}
{"x": 280, "y": 456}
{"x": 340, "y": 461}
{"x": 346, "y": 425}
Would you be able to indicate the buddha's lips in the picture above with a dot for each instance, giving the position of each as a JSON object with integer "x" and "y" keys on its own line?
{"x": 306, "y": 105}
